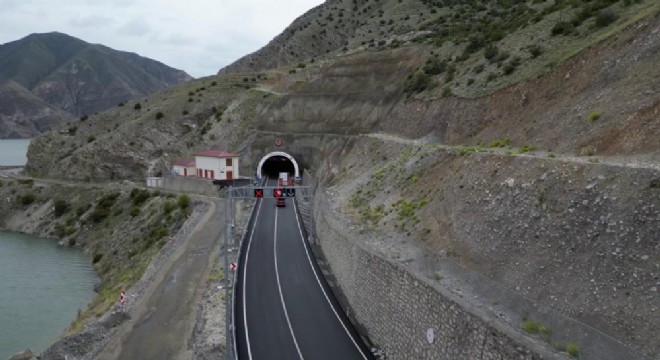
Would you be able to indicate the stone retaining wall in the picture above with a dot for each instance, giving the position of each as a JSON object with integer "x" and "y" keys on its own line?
{"x": 190, "y": 185}
{"x": 396, "y": 309}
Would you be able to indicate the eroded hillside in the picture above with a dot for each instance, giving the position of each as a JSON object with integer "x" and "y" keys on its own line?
{"x": 539, "y": 174}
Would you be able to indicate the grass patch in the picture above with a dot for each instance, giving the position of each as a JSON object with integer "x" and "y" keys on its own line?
{"x": 526, "y": 148}
{"x": 499, "y": 143}
{"x": 216, "y": 275}
{"x": 535, "y": 328}
{"x": 572, "y": 349}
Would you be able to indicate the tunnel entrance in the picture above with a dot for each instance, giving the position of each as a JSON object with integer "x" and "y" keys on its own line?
{"x": 276, "y": 162}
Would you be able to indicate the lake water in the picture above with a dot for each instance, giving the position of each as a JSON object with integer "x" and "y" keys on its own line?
{"x": 13, "y": 152}
{"x": 42, "y": 286}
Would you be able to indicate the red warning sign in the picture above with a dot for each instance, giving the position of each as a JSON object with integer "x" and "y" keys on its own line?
{"x": 278, "y": 193}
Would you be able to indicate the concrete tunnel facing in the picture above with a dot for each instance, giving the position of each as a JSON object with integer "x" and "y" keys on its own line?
{"x": 276, "y": 162}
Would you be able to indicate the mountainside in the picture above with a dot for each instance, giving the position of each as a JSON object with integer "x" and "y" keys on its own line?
{"x": 73, "y": 76}
{"x": 520, "y": 140}
{"x": 23, "y": 114}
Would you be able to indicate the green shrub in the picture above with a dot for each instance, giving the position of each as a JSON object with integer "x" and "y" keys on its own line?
{"x": 446, "y": 92}
{"x": 218, "y": 114}
{"x": 27, "y": 199}
{"x": 80, "y": 210}
{"x": 605, "y": 18}
{"x": 535, "y": 51}
{"x": 27, "y": 182}
{"x": 91, "y": 138}
{"x": 139, "y": 196}
{"x": 490, "y": 52}
{"x": 108, "y": 200}
{"x": 137, "y": 106}
{"x": 526, "y": 148}
{"x": 69, "y": 231}
{"x": 434, "y": 66}
{"x": 572, "y": 349}
{"x": 594, "y": 115}
{"x": 135, "y": 212}
{"x": 491, "y": 77}
{"x": 184, "y": 201}
{"x": 168, "y": 206}
{"x": 508, "y": 69}
{"x": 532, "y": 327}
{"x": 499, "y": 143}
{"x": 159, "y": 115}
{"x": 417, "y": 82}
{"x": 563, "y": 28}
{"x": 99, "y": 214}
{"x": 60, "y": 207}
{"x": 58, "y": 230}
{"x": 103, "y": 207}
{"x": 158, "y": 233}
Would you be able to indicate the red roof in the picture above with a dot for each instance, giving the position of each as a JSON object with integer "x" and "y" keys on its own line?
{"x": 185, "y": 163}
{"x": 216, "y": 154}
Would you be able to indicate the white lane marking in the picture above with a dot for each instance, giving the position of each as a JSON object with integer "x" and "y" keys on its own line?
{"x": 245, "y": 267}
{"x": 279, "y": 287}
{"x": 309, "y": 258}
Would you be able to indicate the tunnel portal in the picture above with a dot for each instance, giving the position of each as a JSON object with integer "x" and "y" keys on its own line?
{"x": 276, "y": 162}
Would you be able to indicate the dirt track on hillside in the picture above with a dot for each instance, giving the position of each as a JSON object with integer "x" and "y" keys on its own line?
{"x": 162, "y": 321}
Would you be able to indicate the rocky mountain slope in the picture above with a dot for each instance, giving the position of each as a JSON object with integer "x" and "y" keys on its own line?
{"x": 23, "y": 114}
{"x": 54, "y": 77}
{"x": 529, "y": 131}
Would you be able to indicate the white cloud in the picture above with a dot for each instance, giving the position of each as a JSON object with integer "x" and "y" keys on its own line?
{"x": 91, "y": 21}
{"x": 134, "y": 27}
{"x": 198, "y": 36}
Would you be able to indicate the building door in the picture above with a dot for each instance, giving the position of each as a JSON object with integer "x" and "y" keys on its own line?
{"x": 212, "y": 174}
{"x": 230, "y": 175}
{"x": 185, "y": 171}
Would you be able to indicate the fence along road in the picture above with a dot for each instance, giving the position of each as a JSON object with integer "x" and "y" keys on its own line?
{"x": 284, "y": 307}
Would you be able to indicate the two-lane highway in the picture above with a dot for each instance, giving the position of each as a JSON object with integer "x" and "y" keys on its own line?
{"x": 284, "y": 307}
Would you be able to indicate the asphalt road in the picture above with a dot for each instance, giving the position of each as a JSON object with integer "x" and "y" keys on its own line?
{"x": 284, "y": 307}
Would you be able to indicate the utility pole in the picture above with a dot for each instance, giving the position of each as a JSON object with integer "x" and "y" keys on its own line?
{"x": 228, "y": 309}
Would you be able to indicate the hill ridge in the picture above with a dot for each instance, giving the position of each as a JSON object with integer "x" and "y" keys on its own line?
{"x": 77, "y": 77}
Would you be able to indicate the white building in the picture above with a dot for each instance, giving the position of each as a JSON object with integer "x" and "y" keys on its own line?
{"x": 216, "y": 165}
{"x": 185, "y": 168}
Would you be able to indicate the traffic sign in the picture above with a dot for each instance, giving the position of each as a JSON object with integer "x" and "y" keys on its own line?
{"x": 290, "y": 192}
{"x": 258, "y": 193}
{"x": 233, "y": 266}
{"x": 278, "y": 193}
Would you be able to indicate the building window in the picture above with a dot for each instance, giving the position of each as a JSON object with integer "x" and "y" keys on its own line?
{"x": 229, "y": 162}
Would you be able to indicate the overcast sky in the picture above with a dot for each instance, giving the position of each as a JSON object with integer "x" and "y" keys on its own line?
{"x": 197, "y": 36}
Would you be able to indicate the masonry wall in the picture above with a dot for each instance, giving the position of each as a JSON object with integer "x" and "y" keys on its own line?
{"x": 190, "y": 185}
{"x": 395, "y": 309}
